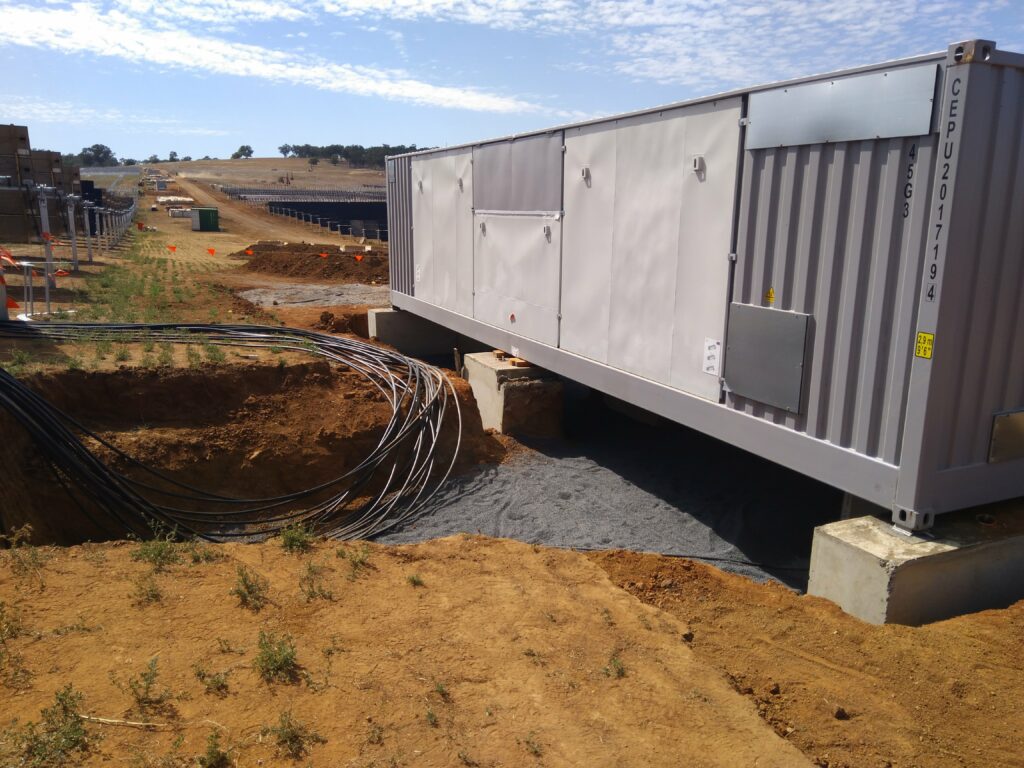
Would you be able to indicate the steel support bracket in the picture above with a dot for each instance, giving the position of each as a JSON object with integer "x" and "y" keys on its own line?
{"x": 910, "y": 520}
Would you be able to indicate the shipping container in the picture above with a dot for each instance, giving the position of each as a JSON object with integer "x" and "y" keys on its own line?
{"x": 205, "y": 220}
{"x": 826, "y": 272}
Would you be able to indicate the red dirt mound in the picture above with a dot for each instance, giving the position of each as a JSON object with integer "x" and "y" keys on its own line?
{"x": 306, "y": 260}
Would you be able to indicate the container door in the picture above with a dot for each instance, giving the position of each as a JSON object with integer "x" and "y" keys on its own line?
{"x": 648, "y": 218}
{"x": 517, "y": 265}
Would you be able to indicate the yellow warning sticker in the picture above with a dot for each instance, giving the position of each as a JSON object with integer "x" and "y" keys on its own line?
{"x": 925, "y": 345}
{"x": 770, "y": 296}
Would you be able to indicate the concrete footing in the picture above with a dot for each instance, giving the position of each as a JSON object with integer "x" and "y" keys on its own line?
{"x": 525, "y": 401}
{"x": 970, "y": 561}
{"x": 414, "y": 336}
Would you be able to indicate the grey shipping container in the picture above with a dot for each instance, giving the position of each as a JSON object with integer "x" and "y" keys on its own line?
{"x": 827, "y": 272}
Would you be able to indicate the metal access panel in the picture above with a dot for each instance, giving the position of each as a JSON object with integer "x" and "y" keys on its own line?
{"x": 517, "y": 274}
{"x": 873, "y": 105}
{"x": 443, "y": 229}
{"x": 765, "y": 352}
{"x": 649, "y": 203}
{"x": 519, "y": 174}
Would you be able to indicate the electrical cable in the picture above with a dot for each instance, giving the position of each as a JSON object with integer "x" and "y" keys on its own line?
{"x": 389, "y": 485}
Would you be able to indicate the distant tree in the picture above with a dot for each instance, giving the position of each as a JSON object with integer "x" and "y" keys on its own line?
{"x": 313, "y": 161}
{"x": 243, "y": 151}
{"x": 70, "y": 159}
{"x": 129, "y": 161}
{"x": 152, "y": 159}
{"x": 187, "y": 159}
{"x": 207, "y": 157}
{"x": 97, "y": 154}
{"x": 285, "y": 150}
{"x": 173, "y": 157}
{"x": 335, "y": 159}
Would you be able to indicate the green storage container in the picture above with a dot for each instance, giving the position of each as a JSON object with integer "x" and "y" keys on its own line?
{"x": 209, "y": 220}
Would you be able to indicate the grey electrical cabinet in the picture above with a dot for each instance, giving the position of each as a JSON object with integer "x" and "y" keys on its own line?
{"x": 827, "y": 272}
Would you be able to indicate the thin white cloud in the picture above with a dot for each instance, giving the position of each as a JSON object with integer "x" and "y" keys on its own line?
{"x": 24, "y": 109}
{"x": 83, "y": 27}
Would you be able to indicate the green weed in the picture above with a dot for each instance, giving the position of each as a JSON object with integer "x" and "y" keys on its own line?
{"x": 292, "y": 737}
{"x": 251, "y": 589}
{"x": 276, "y": 659}
{"x": 297, "y": 538}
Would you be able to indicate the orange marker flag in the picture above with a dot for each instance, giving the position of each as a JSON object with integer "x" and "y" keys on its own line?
{"x": 323, "y": 255}
{"x": 359, "y": 257}
{"x": 8, "y": 260}
{"x": 12, "y": 304}
{"x": 211, "y": 251}
{"x": 172, "y": 248}
{"x": 46, "y": 236}
{"x": 61, "y": 273}
{"x": 248, "y": 251}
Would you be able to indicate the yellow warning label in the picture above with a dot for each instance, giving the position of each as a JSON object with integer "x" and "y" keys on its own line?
{"x": 770, "y": 296}
{"x": 925, "y": 345}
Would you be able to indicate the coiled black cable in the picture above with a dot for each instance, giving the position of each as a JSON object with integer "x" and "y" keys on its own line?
{"x": 390, "y": 485}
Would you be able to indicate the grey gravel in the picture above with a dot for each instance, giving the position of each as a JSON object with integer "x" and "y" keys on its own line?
{"x": 614, "y": 483}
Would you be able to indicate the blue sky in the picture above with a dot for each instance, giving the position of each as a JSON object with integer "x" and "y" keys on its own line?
{"x": 204, "y": 76}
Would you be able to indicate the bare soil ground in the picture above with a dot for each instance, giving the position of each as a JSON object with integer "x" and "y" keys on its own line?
{"x": 462, "y": 651}
{"x": 848, "y": 694}
{"x": 506, "y": 655}
{"x": 315, "y": 260}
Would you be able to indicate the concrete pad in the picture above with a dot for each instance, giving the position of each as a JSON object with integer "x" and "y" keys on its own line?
{"x": 970, "y": 561}
{"x": 514, "y": 400}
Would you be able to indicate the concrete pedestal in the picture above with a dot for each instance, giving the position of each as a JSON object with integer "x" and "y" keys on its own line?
{"x": 970, "y": 561}
{"x": 513, "y": 400}
{"x": 414, "y": 336}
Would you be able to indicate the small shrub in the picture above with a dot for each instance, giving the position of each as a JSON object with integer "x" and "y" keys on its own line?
{"x": 276, "y": 659}
{"x": 312, "y": 585}
{"x": 292, "y": 737}
{"x": 376, "y": 734}
{"x": 214, "y": 353}
{"x": 200, "y": 552}
{"x": 214, "y": 682}
{"x": 441, "y": 691}
{"x": 61, "y": 733}
{"x": 146, "y": 591}
{"x": 251, "y": 589}
{"x": 615, "y": 667}
{"x": 143, "y": 688}
{"x": 224, "y": 646}
{"x": 123, "y": 354}
{"x": 214, "y": 757}
{"x": 533, "y": 746}
{"x": 431, "y": 718}
{"x": 358, "y": 560}
{"x": 415, "y": 580}
{"x": 26, "y": 559}
{"x": 297, "y": 538}
{"x": 193, "y": 356}
{"x": 162, "y": 551}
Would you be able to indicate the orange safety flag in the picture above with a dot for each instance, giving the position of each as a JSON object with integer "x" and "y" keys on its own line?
{"x": 61, "y": 273}
{"x": 211, "y": 251}
{"x": 140, "y": 225}
{"x": 34, "y": 273}
{"x": 47, "y": 236}
{"x": 359, "y": 257}
{"x": 12, "y": 304}
{"x": 248, "y": 251}
{"x": 8, "y": 260}
{"x": 172, "y": 248}
{"x": 323, "y": 255}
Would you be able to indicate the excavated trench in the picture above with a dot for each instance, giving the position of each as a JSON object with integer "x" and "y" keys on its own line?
{"x": 243, "y": 431}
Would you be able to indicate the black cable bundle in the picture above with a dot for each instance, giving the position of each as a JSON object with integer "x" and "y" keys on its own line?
{"x": 389, "y": 485}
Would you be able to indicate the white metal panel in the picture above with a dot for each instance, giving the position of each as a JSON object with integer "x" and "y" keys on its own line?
{"x": 443, "y": 194}
{"x": 587, "y": 240}
{"x": 443, "y": 229}
{"x": 422, "y": 229}
{"x": 649, "y": 167}
{"x": 705, "y": 231}
{"x": 463, "y": 162}
{"x": 516, "y": 274}
{"x": 872, "y": 105}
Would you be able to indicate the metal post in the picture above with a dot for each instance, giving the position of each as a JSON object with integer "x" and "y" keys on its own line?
{"x": 72, "y": 234}
{"x": 44, "y": 225}
{"x": 99, "y": 230}
{"x": 88, "y": 234}
{"x": 31, "y": 291}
